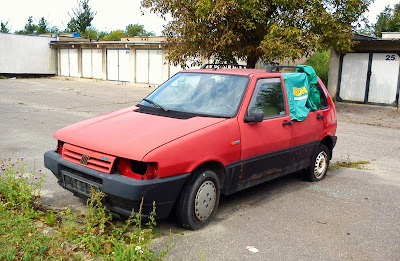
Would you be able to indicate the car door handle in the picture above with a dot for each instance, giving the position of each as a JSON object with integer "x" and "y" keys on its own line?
{"x": 320, "y": 116}
{"x": 287, "y": 123}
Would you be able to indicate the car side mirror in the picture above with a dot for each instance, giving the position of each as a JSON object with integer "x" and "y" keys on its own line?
{"x": 254, "y": 117}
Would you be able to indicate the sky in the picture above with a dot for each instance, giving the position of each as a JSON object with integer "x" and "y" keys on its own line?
{"x": 111, "y": 15}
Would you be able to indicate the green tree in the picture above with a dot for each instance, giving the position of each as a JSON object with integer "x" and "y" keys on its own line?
{"x": 388, "y": 20}
{"x": 4, "y": 27}
{"x": 137, "y": 30}
{"x": 30, "y": 27}
{"x": 101, "y": 35}
{"x": 92, "y": 33}
{"x": 81, "y": 18}
{"x": 114, "y": 36}
{"x": 227, "y": 30}
{"x": 42, "y": 26}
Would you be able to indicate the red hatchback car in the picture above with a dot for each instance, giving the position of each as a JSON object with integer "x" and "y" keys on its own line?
{"x": 202, "y": 133}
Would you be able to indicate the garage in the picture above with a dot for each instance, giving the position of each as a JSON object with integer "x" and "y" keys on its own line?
{"x": 369, "y": 74}
{"x": 370, "y": 78}
{"x": 149, "y": 66}
{"x": 118, "y": 65}
{"x": 69, "y": 62}
{"x": 92, "y": 63}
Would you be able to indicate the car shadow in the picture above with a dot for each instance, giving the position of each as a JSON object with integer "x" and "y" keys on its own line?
{"x": 245, "y": 200}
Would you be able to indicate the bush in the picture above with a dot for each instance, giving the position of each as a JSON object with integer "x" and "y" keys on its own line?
{"x": 320, "y": 62}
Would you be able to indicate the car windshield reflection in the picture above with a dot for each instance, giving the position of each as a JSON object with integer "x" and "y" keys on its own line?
{"x": 216, "y": 95}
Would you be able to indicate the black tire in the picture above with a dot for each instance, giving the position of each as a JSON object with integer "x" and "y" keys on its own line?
{"x": 199, "y": 200}
{"x": 319, "y": 164}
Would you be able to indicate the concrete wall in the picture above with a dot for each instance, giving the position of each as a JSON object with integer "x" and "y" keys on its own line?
{"x": 23, "y": 54}
{"x": 333, "y": 76}
{"x": 390, "y": 35}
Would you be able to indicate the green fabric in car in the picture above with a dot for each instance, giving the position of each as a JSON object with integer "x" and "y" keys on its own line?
{"x": 297, "y": 89}
{"x": 302, "y": 92}
{"x": 314, "y": 101}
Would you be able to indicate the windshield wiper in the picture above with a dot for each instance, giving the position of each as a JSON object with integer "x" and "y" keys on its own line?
{"x": 156, "y": 104}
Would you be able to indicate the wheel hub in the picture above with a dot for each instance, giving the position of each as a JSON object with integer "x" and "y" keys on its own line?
{"x": 205, "y": 200}
{"x": 321, "y": 164}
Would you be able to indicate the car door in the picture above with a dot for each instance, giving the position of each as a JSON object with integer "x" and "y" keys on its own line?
{"x": 310, "y": 130}
{"x": 306, "y": 134}
{"x": 264, "y": 144}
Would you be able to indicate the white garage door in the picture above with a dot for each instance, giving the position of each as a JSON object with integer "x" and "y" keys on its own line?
{"x": 97, "y": 63}
{"x": 69, "y": 62}
{"x": 384, "y": 78}
{"x": 354, "y": 77}
{"x": 124, "y": 66}
{"x": 92, "y": 63}
{"x": 87, "y": 63}
{"x": 112, "y": 65}
{"x": 155, "y": 66}
{"x": 64, "y": 62}
{"x": 73, "y": 62}
{"x": 142, "y": 66}
{"x": 149, "y": 65}
{"x": 118, "y": 65}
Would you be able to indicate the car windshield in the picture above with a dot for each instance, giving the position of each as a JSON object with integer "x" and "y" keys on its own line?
{"x": 208, "y": 94}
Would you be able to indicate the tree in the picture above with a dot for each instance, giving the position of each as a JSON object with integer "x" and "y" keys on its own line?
{"x": 30, "y": 27}
{"x": 41, "y": 28}
{"x": 81, "y": 18}
{"x": 4, "y": 27}
{"x": 137, "y": 30}
{"x": 114, "y": 36}
{"x": 227, "y": 30}
{"x": 388, "y": 20}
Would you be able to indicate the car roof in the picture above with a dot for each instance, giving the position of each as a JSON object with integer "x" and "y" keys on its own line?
{"x": 243, "y": 72}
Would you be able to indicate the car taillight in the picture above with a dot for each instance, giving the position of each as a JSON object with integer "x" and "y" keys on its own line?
{"x": 138, "y": 169}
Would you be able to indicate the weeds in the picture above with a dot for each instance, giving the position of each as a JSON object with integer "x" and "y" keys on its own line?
{"x": 347, "y": 163}
{"x": 23, "y": 221}
{"x": 19, "y": 189}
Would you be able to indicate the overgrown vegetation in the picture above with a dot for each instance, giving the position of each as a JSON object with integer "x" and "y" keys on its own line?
{"x": 320, "y": 62}
{"x": 28, "y": 231}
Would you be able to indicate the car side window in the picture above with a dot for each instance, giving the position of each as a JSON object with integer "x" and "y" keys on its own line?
{"x": 268, "y": 98}
{"x": 322, "y": 98}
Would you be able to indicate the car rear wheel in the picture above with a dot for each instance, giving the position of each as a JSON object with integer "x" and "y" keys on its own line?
{"x": 320, "y": 163}
{"x": 199, "y": 200}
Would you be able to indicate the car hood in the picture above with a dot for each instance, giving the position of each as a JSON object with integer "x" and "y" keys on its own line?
{"x": 130, "y": 134}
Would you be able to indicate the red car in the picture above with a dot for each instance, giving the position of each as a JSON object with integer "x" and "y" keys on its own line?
{"x": 202, "y": 133}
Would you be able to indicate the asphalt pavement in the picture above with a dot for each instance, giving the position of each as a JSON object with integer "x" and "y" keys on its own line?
{"x": 351, "y": 215}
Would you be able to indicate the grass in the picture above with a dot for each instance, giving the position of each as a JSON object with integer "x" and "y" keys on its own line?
{"x": 361, "y": 165}
{"x": 29, "y": 231}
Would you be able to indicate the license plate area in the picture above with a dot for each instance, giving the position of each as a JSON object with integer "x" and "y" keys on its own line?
{"x": 78, "y": 184}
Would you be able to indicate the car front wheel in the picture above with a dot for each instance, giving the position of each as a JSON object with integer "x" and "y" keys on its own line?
{"x": 199, "y": 200}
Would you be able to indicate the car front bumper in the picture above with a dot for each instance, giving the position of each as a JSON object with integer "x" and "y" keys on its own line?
{"x": 123, "y": 194}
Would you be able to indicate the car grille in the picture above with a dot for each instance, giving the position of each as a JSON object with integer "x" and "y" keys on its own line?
{"x": 88, "y": 158}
